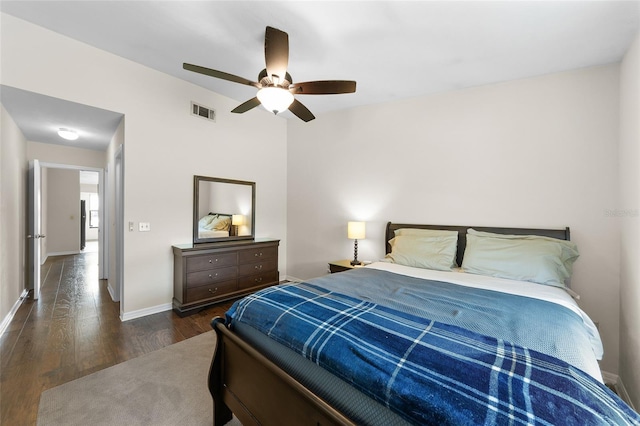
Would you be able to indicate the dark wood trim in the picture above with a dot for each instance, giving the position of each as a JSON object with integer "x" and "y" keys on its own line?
{"x": 257, "y": 391}
{"x": 340, "y": 266}
{"x": 196, "y": 196}
{"x": 221, "y": 413}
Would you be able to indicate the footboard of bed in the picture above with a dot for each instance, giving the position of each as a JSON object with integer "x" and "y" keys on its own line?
{"x": 244, "y": 382}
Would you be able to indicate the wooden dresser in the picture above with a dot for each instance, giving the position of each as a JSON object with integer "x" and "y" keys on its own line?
{"x": 205, "y": 274}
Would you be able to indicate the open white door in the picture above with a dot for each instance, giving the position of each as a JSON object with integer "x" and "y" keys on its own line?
{"x": 34, "y": 228}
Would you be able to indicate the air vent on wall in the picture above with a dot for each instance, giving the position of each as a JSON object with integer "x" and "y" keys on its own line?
{"x": 203, "y": 111}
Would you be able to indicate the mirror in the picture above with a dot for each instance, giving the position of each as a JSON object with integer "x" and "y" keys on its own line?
{"x": 223, "y": 209}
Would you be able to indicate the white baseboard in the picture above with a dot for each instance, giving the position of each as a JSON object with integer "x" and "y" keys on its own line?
{"x": 624, "y": 395}
{"x": 112, "y": 292}
{"x": 63, "y": 253}
{"x": 293, "y": 279}
{"x": 610, "y": 377}
{"x": 617, "y": 382}
{"x": 12, "y": 311}
{"x": 146, "y": 311}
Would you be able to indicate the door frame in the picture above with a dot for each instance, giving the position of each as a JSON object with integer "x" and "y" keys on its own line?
{"x": 118, "y": 190}
{"x": 103, "y": 231}
{"x": 34, "y": 227}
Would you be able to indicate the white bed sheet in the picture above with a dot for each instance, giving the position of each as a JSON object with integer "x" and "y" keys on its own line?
{"x": 211, "y": 233}
{"x": 520, "y": 288}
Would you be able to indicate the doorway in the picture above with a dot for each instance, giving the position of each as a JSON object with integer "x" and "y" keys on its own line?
{"x": 52, "y": 209}
{"x": 89, "y": 211}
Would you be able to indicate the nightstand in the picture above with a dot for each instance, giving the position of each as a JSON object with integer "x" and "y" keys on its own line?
{"x": 341, "y": 266}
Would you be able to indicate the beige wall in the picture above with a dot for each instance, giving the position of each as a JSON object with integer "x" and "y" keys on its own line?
{"x": 537, "y": 152}
{"x": 63, "y": 207}
{"x": 13, "y": 187}
{"x": 630, "y": 236}
{"x": 165, "y": 147}
{"x": 67, "y": 155}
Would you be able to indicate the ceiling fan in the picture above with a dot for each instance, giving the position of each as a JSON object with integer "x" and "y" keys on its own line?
{"x": 276, "y": 87}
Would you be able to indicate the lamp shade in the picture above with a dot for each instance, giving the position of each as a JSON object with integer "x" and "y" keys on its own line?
{"x": 355, "y": 230}
{"x": 237, "y": 219}
{"x": 275, "y": 99}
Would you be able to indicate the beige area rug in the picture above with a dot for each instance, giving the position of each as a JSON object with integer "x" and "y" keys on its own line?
{"x": 164, "y": 387}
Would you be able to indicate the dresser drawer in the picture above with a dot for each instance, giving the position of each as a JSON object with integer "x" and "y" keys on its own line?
{"x": 206, "y": 274}
{"x": 259, "y": 267}
{"x": 258, "y": 280}
{"x": 209, "y": 291}
{"x": 257, "y": 254}
{"x": 196, "y": 279}
{"x": 199, "y": 263}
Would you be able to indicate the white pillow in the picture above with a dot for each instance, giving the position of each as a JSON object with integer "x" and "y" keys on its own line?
{"x": 206, "y": 220}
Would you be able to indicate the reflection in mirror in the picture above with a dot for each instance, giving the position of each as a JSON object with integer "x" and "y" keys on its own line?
{"x": 223, "y": 209}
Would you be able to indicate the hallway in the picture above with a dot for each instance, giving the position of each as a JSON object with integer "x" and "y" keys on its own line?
{"x": 75, "y": 330}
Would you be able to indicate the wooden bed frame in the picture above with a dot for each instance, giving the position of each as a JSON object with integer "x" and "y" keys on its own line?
{"x": 244, "y": 382}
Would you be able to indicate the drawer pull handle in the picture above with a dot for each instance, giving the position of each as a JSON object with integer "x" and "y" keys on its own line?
{"x": 259, "y": 280}
{"x": 211, "y": 276}
{"x": 213, "y": 291}
{"x": 210, "y": 261}
{"x": 258, "y": 254}
{"x": 258, "y": 266}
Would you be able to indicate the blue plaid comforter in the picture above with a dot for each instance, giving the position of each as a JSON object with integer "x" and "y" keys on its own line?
{"x": 428, "y": 372}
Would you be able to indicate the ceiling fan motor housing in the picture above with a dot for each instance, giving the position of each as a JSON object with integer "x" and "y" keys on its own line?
{"x": 267, "y": 80}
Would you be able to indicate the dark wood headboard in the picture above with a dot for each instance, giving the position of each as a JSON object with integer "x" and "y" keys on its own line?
{"x": 561, "y": 234}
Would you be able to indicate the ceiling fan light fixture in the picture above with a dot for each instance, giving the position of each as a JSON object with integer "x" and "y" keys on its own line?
{"x": 275, "y": 99}
{"x": 70, "y": 135}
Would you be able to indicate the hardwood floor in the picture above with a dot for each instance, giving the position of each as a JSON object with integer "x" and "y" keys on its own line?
{"x": 75, "y": 330}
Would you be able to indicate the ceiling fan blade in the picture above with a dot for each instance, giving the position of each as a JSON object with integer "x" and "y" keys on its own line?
{"x": 276, "y": 52}
{"x": 324, "y": 87}
{"x": 301, "y": 111}
{"x": 250, "y": 104}
{"x": 220, "y": 74}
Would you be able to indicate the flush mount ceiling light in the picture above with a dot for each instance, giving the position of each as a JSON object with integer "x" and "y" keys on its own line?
{"x": 70, "y": 135}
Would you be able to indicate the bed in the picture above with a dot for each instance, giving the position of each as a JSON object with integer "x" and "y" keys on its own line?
{"x": 417, "y": 340}
{"x": 214, "y": 225}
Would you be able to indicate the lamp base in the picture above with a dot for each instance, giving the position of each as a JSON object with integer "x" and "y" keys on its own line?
{"x": 355, "y": 262}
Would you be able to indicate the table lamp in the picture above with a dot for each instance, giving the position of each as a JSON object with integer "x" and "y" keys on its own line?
{"x": 355, "y": 231}
{"x": 237, "y": 220}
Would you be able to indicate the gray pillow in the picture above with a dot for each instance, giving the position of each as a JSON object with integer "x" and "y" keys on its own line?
{"x": 437, "y": 252}
{"x": 533, "y": 258}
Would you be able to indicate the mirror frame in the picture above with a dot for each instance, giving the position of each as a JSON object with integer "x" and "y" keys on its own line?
{"x": 196, "y": 203}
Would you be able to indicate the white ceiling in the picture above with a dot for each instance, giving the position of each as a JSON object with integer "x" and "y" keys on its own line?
{"x": 393, "y": 49}
{"x": 40, "y": 117}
